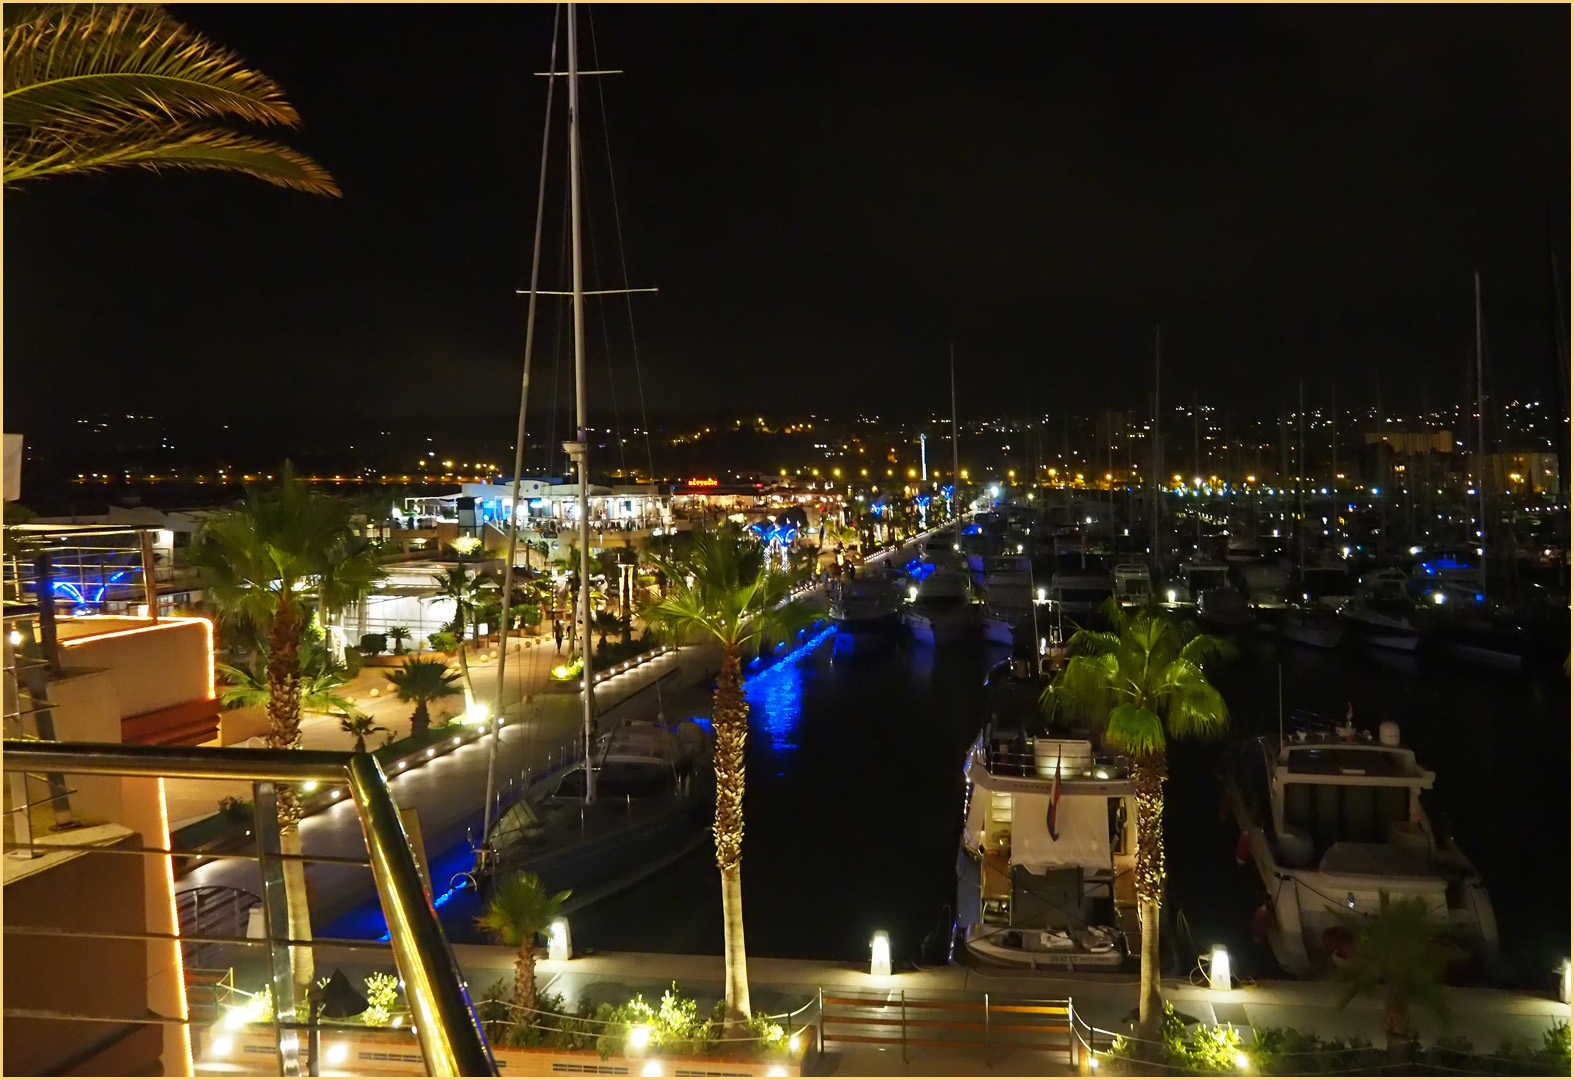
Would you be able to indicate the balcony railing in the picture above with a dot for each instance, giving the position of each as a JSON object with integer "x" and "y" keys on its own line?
{"x": 449, "y": 1033}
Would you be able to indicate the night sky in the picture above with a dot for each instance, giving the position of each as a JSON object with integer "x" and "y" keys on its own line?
{"x": 826, "y": 196}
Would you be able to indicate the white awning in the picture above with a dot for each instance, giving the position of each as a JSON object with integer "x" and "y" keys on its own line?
{"x": 1081, "y": 823}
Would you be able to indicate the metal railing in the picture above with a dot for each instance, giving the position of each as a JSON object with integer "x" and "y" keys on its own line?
{"x": 449, "y": 1032}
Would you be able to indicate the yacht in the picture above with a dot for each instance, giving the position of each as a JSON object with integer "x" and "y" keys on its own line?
{"x": 1045, "y": 867}
{"x": 1384, "y": 612}
{"x": 1333, "y": 818}
{"x": 1133, "y": 585}
{"x": 654, "y": 786}
{"x": 940, "y": 608}
{"x": 1004, "y": 579}
{"x": 865, "y": 611}
{"x": 1081, "y": 585}
{"x": 1311, "y": 624}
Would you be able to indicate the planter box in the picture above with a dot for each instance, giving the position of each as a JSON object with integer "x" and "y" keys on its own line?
{"x": 394, "y": 1052}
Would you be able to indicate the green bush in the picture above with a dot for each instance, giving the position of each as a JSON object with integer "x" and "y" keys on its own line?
{"x": 676, "y": 1026}
{"x": 352, "y": 661}
{"x": 374, "y": 644}
{"x": 527, "y": 615}
{"x": 443, "y": 641}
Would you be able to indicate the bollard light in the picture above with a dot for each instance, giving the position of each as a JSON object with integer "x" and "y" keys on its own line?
{"x": 477, "y": 713}
{"x": 221, "y": 1046}
{"x": 1242, "y": 1062}
{"x": 639, "y": 1037}
{"x": 793, "y": 1043}
{"x": 337, "y": 1054}
{"x": 558, "y": 947}
{"x": 880, "y": 954}
{"x": 1093, "y": 1062}
{"x": 1219, "y": 969}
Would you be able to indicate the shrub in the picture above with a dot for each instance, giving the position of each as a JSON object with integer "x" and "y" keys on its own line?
{"x": 443, "y": 641}
{"x": 382, "y": 998}
{"x": 374, "y": 644}
{"x": 352, "y": 661}
{"x": 527, "y": 615}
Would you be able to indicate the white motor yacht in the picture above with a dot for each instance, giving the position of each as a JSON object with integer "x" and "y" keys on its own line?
{"x": 940, "y": 609}
{"x": 1133, "y": 585}
{"x": 1334, "y": 818}
{"x": 1045, "y": 867}
{"x": 1384, "y": 612}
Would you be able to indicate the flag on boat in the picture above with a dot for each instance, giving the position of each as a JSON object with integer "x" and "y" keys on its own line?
{"x": 1054, "y": 798}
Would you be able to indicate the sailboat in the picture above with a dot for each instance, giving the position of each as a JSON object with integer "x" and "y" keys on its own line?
{"x": 940, "y": 608}
{"x": 1307, "y": 621}
{"x": 639, "y": 796}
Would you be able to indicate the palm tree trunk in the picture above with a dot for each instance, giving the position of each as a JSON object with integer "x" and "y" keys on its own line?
{"x": 1149, "y": 776}
{"x": 525, "y": 982}
{"x": 284, "y": 733}
{"x": 732, "y": 729}
{"x": 464, "y": 667}
{"x": 420, "y": 721}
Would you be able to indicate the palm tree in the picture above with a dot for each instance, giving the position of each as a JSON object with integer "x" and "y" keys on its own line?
{"x": 421, "y": 681}
{"x": 605, "y": 623}
{"x": 520, "y": 910}
{"x": 354, "y": 722}
{"x": 1145, "y": 684}
{"x": 466, "y": 591}
{"x": 260, "y": 560}
{"x": 1398, "y": 953}
{"x": 724, "y": 592}
{"x": 95, "y": 86}
{"x": 399, "y": 633}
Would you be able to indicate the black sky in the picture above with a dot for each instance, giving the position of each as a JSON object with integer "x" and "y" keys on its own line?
{"x": 826, "y": 196}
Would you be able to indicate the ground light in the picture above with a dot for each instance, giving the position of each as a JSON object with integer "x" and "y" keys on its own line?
{"x": 1242, "y": 1062}
{"x": 639, "y": 1037}
{"x": 558, "y": 947}
{"x": 652, "y": 1068}
{"x": 477, "y": 713}
{"x": 880, "y": 954}
{"x": 1219, "y": 969}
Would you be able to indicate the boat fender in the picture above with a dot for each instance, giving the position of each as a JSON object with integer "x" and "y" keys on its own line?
{"x": 1243, "y": 848}
{"x": 1262, "y": 922}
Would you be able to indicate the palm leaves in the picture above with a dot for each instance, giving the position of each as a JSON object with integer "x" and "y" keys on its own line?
{"x": 361, "y": 726}
{"x": 520, "y": 909}
{"x": 421, "y": 681}
{"x": 94, "y": 86}
{"x": 1399, "y": 954}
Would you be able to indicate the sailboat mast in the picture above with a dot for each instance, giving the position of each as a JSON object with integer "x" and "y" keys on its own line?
{"x": 956, "y": 473}
{"x": 1158, "y": 445}
{"x": 1481, "y": 445}
{"x": 519, "y": 452}
{"x": 588, "y": 714}
{"x": 1300, "y": 469}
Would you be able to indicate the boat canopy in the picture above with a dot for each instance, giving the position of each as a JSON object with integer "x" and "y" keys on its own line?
{"x": 1081, "y": 836}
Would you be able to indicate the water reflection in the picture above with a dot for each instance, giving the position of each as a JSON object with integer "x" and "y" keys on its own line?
{"x": 775, "y": 696}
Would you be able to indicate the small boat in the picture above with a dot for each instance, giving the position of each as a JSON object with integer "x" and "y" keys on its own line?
{"x": 1311, "y": 624}
{"x": 654, "y": 787}
{"x": 1045, "y": 866}
{"x": 1332, "y": 818}
{"x": 1384, "y": 613}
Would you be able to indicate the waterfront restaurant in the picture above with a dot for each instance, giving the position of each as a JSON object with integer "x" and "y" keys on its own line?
{"x": 546, "y": 506}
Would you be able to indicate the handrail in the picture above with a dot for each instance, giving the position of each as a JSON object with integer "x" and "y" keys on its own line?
{"x": 450, "y": 1035}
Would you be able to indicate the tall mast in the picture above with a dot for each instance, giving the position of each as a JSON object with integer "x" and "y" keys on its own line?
{"x": 519, "y": 449}
{"x": 1481, "y": 445}
{"x": 1382, "y": 472}
{"x": 588, "y": 714}
{"x": 1300, "y": 468}
{"x": 956, "y": 474}
{"x": 1196, "y": 461}
{"x": 1158, "y": 444}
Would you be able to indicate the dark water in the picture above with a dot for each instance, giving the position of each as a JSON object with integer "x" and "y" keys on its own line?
{"x": 855, "y": 783}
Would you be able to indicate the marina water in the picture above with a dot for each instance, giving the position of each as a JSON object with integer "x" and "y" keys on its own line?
{"x": 854, "y": 802}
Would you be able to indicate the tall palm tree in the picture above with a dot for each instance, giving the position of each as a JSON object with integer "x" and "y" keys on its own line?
{"x": 467, "y": 591}
{"x": 521, "y": 910}
{"x": 1398, "y": 953}
{"x": 359, "y": 724}
{"x": 262, "y": 561}
{"x": 421, "y": 682}
{"x": 1144, "y": 683}
{"x": 95, "y": 86}
{"x": 723, "y": 592}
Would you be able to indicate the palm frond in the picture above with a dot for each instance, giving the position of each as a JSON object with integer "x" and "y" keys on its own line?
{"x": 1192, "y": 707}
{"x": 1087, "y": 642}
{"x": 1086, "y": 688}
{"x": 1204, "y": 647}
{"x": 95, "y": 86}
{"x": 1135, "y": 731}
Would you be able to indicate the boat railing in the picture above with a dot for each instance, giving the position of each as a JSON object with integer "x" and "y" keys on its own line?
{"x": 446, "y": 1027}
{"x": 999, "y": 761}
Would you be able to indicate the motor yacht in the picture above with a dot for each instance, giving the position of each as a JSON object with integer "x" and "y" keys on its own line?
{"x": 1384, "y": 612}
{"x": 1333, "y": 818}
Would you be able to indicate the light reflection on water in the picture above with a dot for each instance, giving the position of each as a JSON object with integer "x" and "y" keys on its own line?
{"x": 775, "y": 696}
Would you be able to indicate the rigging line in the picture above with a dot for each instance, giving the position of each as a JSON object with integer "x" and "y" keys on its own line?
{"x": 606, "y": 338}
{"x": 507, "y": 602}
{"x": 557, "y": 350}
{"x": 617, "y": 219}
